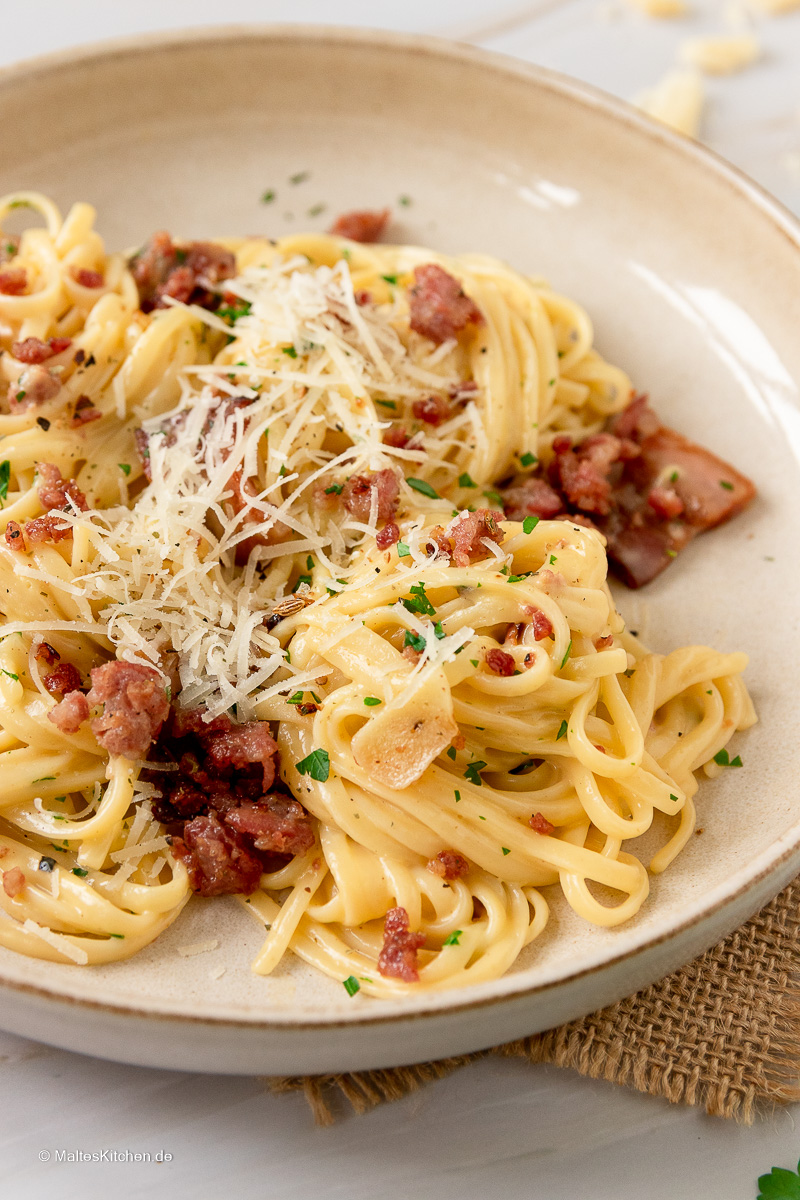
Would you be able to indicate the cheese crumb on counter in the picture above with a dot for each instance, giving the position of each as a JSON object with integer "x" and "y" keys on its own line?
{"x": 721, "y": 55}
{"x": 677, "y": 100}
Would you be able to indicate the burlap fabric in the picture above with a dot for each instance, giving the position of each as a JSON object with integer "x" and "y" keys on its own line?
{"x": 723, "y": 1032}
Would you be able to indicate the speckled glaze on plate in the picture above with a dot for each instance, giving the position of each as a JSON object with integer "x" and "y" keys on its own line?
{"x": 692, "y": 277}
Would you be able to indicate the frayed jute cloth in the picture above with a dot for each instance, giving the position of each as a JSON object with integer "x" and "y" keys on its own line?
{"x": 723, "y": 1032}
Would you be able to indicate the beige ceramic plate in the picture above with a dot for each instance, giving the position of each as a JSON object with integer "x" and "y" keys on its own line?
{"x": 693, "y": 279}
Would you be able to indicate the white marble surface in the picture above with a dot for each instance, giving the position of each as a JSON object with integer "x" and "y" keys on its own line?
{"x": 500, "y": 1128}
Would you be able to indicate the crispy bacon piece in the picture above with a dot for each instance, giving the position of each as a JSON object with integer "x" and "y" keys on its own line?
{"x": 362, "y": 225}
{"x": 13, "y": 882}
{"x": 35, "y": 386}
{"x": 438, "y": 306}
{"x": 388, "y": 536}
{"x": 15, "y": 539}
{"x": 532, "y": 498}
{"x": 240, "y": 745}
{"x": 56, "y": 492}
{"x": 186, "y": 273}
{"x": 142, "y": 443}
{"x": 449, "y": 865}
{"x": 500, "y": 662}
{"x": 467, "y": 534}
{"x": 542, "y": 627}
{"x": 48, "y": 529}
{"x": 88, "y": 278}
{"x": 277, "y": 533}
{"x": 433, "y": 410}
{"x": 34, "y": 351}
{"x": 397, "y": 437}
{"x": 70, "y": 713}
{"x": 665, "y": 502}
{"x": 84, "y": 412}
{"x": 64, "y": 679}
{"x": 134, "y": 706}
{"x": 582, "y": 473}
{"x": 13, "y": 281}
{"x": 47, "y": 654}
{"x": 540, "y": 824}
{"x": 217, "y": 862}
{"x": 358, "y": 491}
{"x": 275, "y": 823}
{"x": 398, "y": 957}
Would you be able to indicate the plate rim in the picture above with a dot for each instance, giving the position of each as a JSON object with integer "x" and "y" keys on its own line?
{"x": 773, "y": 858}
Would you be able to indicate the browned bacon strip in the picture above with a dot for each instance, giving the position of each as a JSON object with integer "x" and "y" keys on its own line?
{"x": 70, "y": 714}
{"x": 398, "y": 956}
{"x": 276, "y": 824}
{"x": 448, "y": 865}
{"x": 13, "y": 882}
{"x": 532, "y": 498}
{"x": 35, "y": 386}
{"x": 500, "y": 662}
{"x": 438, "y": 306}
{"x": 56, "y": 492}
{"x": 64, "y": 679}
{"x": 13, "y": 281}
{"x": 468, "y": 532}
{"x": 540, "y": 824}
{"x": 133, "y": 704}
{"x": 34, "y": 351}
{"x": 217, "y": 862}
{"x": 357, "y": 494}
{"x": 185, "y": 273}
{"x": 362, "y": 225}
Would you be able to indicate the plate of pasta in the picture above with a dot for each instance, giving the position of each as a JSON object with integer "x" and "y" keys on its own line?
{"x": 397, "y": 553}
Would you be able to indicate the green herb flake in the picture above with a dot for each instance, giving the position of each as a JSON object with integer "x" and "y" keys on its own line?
{"x": 567, "y": 653}
{"x": 405, "y": 201}
{"x": 466, "y": 480}
{"x": 390, "y": 279}
{"x": 11, "y": 675}
{"x": 119, "y": 936}
{"x": 299, "y": 177}
{"x": 425, "y": 489}
{"x": 452, "y": 939}
{"x": 268, "y": 196}
{"x": 672, "y": 553}
{"x": 290, "y": 350}
{"x": 335, "y": 489}
{"x": 418, "y": 602}
{"x": 351, "y": 985}
{"x": 723, "y": 483}
{"x": 672, "y": 797}
{"x": 309, "y": 563}
{"x": 232, "y": 312}
{"x": 44, "y": 779}
{"x": 438, "y": 632}
{"x": 125, "y": 468}
{"x": 630, "y": 671}
{"x": 472, "y": 772}
{"x": 81, "y": 872}
{"x": 296, "y": 698}
{"x": 317, "y": 764}
{"x": 723, "y": 760}
{"x": 316, "y": 209}
{"x": 402, "y": 550}
{"x": 386, "y": 403}
{"x": 552, "y": 559}
{"x": 495, "y": 497}
{"x": 529, "y": 524}
{"x": 457, "y": 795}
{"x": 371, "y": 701}
{"x": 562, "y": 731}
{"x": 505, "y": 849}
{"x": 474, "y": 662}
{"x": 451, "y": 753}
{"x": 414, "y": 640}
{"x": 5, "y": 476}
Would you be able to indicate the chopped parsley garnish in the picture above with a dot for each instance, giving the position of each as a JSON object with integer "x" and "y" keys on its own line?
{"x": 566, "y": 654}
{"x": 529, "y": 524}
{"x": 390, "y": 278}
{"x": 351, "y": 985}
{"x": 5, "y": 476}
{"x": 43, "y": 778}
{"x": 316, "y": 209}
{"x": 723, "y": 760}
{"x": 474, "y": 662}
{"x": 268, "y": 196}
{"x": 334, "y": 489}
{"x": 672, "y": 797}
{"x": 562, "y": 731}
{"x": 404, "y": 200}
{"x": 472, "y": 772}
{"x": 457, "y": 795}
{"x": 528, "y": 459}
{"x": 415, "y": 641}
{"x": 494, "y": 496}
{"x": 551, "y": 383}
{"x": 125, "y": 468}
{"x": 418, "y": 602}
{"x": 120, "y": 936}
{"x": 438, "y": 632}
{"x": 309, "y": 563}
{"x": 466, "y": 480}
{"x": 552, "y": 559}
{"x": 290, "y": 350}
{"x": 232, "y": 312}
{"x": 630, "y": 671}
{"x": 81, "y": 872}
{"x": 371, "y": 701}
{"x": 300, "y": 177}
{"x": 723, "y": 483}
{"x": 452, "y": 939}
{"x": 425, "y": 489}
{"x": 11, "y": 675}
{"x": 451, "y": 753}
{"x": 317, "y": 764}
{"x": 386, "y": 403}
{"x": 296, "y": 698}
{"x": 402, "y": 550}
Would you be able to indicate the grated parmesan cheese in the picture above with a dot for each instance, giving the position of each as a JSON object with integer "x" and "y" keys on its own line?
{"x": 57, "y": 941}
{"x": 193, "y": 948}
